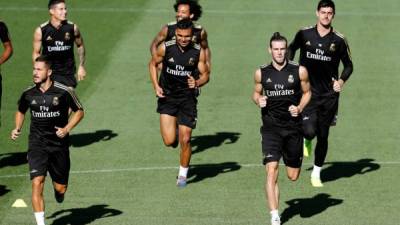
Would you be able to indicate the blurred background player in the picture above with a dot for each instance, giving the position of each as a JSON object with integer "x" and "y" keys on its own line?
{"x": 6, "y": 54}
{"x": 55, "y": 38}
{"x": 185, "y": 9}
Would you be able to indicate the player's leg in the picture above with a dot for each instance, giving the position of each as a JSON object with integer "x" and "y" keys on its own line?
{"x": 59, "y": 166}
{"x": 325, "y": 116}
{"x": 37, "y": 199}
{"x": 185, "y": 134}
{"x": 271, "y": 149}
{"x": 272, "y": 190}
{"x": 292, "y": 152}
{"x": 168, "y": 109}
{"x": 309, "y": 116}
{"x": 37, "y": 160}
{"x": 187, "y": 117}
{"x": 168, "y": 129}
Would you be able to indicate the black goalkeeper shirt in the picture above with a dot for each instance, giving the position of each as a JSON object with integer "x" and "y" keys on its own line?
{"x": 321, "y": 56}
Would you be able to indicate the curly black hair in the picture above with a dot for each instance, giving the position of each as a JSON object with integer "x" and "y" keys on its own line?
{"x": 194, "y": 6}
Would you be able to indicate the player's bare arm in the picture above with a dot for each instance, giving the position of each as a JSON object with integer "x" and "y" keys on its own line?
{"x": 8, "y": 50}
{"x": 76, "y": 117}
{"x": 204, "y": 45}
{"x": 204, "y": 76}
{"x": 37, "y": 43}
{"x": 305, "y": 87}
{"x": 258, "y": 98}
{"x": 19, "y": 121}
{"x": 81, "y": 53}
{"x": 156, "y": 59}
{"x": 161, "y": 36}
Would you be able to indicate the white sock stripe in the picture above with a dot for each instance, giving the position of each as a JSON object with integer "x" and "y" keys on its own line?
{"x": 134, "y": 169}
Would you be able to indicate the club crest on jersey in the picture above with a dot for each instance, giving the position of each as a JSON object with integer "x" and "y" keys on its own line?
{"x": 191, "y": 61}
{"x": 332, "y": 48}
{"x": 308, "y": 43}
{"x": 67, "y": 36}
{"x": 56, "y": 101}
{"x": 290, "y": 79}
{"x": 49, "y": 38}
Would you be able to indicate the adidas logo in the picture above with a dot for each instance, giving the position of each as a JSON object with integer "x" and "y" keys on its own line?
{"x": 34, "y": 171}
{"x": 33, "y": 102}
{"x": 319, "y": 45}
{"x": 49, "y": 38}
{"x": 171, "y": 60}
{"x": 269, "y": 80}
{"x": 308, "y": 43}
{"x": 269, "y": 156}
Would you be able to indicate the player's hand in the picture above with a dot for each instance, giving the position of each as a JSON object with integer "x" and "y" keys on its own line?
{"x": 61, "y": 132}
{"x": 15, "y": 134}
{"x": 81, "y": 73}
{"x": 294, "y": 111}
{"x": 159, "y": 92}
{"x": 191, "y": 82}
{"x": 337, "y": 85}
{"x": 262, "y": 101}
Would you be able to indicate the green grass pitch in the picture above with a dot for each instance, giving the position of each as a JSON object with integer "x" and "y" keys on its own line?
{"x": 121, "y": 172}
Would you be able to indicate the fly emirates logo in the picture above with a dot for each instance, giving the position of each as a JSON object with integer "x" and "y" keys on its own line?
{"x": 319, "y": 55}
{"x": 60, "y": 47}
{"x": 279, "y": 91}
{"x": 44, "y": 113}
{"x": 178, "y": 71}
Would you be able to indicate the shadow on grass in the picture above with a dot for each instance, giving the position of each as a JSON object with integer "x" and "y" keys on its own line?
{"x": 203, "y": 171}
{"x": 3, "y": 190}
{"x": 85, "y": 139}
{"x": 336, "y": 170}
{"x": 308, "y": 207}
{"x": 82, "y": 216}
{"x": 12, "y": 159}
{"x": 204, "y": 142}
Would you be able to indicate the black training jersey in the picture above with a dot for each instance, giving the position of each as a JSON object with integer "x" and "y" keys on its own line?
{"x": 321, "y": 56}
{"x": 177, "y": 66}
{"x": 49, "y": 110}
{"x": 58, "y": 45}
{"x": 197, "y": 29}
{"x": 283, "y": 89}
{"x": 4, "y": 36}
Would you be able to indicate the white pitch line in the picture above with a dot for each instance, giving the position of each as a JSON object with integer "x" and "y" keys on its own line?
{"x": 207, "y": 11}
{"x": 175, "y": 167}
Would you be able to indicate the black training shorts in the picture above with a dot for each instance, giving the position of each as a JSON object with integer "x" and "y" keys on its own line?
{"x": 43, "y": 159}
{"x": 67, "y": 80}
{"x": 282, "y": 142}
{"x": 183, "y": 108}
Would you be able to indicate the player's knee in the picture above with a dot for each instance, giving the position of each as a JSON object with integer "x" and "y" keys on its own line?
{"x": 293, "y": 177}
{"x": 169, "y": 141}
{"x": 37, "y": 181}
{"x": 185, "y": 139}
{"x": 61, "y": 188}
{"x": 308, "y": 132}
